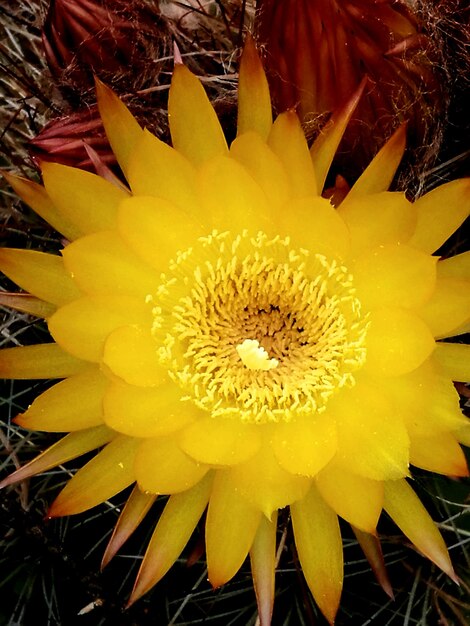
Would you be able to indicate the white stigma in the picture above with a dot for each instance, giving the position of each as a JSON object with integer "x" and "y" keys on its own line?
{"x": 254, "y": 356}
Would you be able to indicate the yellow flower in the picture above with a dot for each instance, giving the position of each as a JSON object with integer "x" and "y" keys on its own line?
{"x": 229, "y": 338}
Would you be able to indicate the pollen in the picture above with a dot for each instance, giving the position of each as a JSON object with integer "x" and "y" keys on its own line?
{"x": 251, "y": 328}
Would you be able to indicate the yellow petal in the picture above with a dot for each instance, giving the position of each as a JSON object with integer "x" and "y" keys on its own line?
{"x": 408, "y": 513}
{"x": 306, "y": 445}
{"x": 36, "y": 197}
{"x": 231, "y": 526}
{"x": 219, "y": 441}
{"x": 156, "y": 169}
{"x": 195, "y": 129}
{"x": 427, "y": 401}
{"x": 122, "y": 129}
{"x": 71, "y": 325}
{"x": 398, "y": 341}
{"x": 314, "y": 224}
{"x": 232, "y": 199}
{"x": 254, "y": 101}
{"x": 161, "y": 467}
{"x": 370, "y": 545}
{"x": 136, "y": 508}
{"x": 264, "y": 166}
{"x": 320, "y": 549}
{"x": 85, "y": 199}
{"x": 287, "y": 140}
{"x": 130, "y": 352}
{"x": 463, "y": 434}
{"x": 41, "y": 274}
{"x": 25, "y": 303}
{"x": 448, "y": 308}
{"x": 146, "y": 412}
{"x": 440, "y": 453}
{"x": 103, "y": 263}
{"x": 355, "y": 498}
{"x": 73, "y": 404}
{"x": 46, "y": 360}
{"x": 372, "y": 440}
{"x": 394, "y": 274}
{"x": 263, "y": 567}
{"x": 326, "y": 144}
{"x": 440, "y": 212}
{"x": 378, "y": 219}
{"x": 69, "y": 447}
{"x": 457, "y": 266}
{"x": 454, "y": 360}
{"x": 379, "y": 174}
{"x": 108, "y": 473}
{"x": 156, "y": 230}
{"x": 174, "y": 529}
{"x": 275, "y": 487}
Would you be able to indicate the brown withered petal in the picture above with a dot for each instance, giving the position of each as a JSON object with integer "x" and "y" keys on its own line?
{"x": 317, "y": 52}
{"x": 117, "y": 40}
{"x": 64, "y": 140}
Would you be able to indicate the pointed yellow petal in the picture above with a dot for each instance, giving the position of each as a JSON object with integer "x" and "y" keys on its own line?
{"x": 378, "y": 219}
{"x": 69, "y": 447}
{"x": 287, "y": 140}
{"x": 103, "y": 263}
{"x": 46, "y": 360}
{"x": 254, "y": 101}
{"x": 73, "y": 404}
{"x": 71, "y": 328}
{"x": 275, "y": 487}
{"x": 130, "y": 352}
{"x": 355, "y": 498}
{"x": 326, "y": 144}
{"x": 232, "y": 199}
{"x": 264, "y": 166}
{"x": 156, "y": 169}
{"x": 372, "y": 440}
{"x": 455, "y": 267}
{"x": 408, "y": 513}
{"x": 195, "y": 129}
{"x": 263, "y": 567}
{"x": 439, "y": 453}
{"x": 454, "y": 360}
{"x": 305, "y": 446}
{"x": 314, "y": 224}
{"x": 146, "y": 412}
{"x": 25, "y": 303}
{"x": 320, "y": 549}
{"x": 122, "y": 129}
{"x": 36, "y": 197}
{"x": 173, "y": 531}
{"x": 231, "y": 526}
{"x": 41, "y": 274}
{"x": 156, "y": 229}
{"x": 108, "y": 473}
{"x": 426, "y": 400}
{"x": 136, "y": 508}
{"x": 392, "y": 274}
{"x": 379, "y": 174}
{"x": 370, "y": 545}
{"x": 448, "y": 308}
{"x": 162, "y": 467}
{"x": 220, "y": 441}
{"x": 85, "y": 199}
{"x": 463, "y": 434}
{"x": 398, "y": 341}
{"x": 440, "y": 212}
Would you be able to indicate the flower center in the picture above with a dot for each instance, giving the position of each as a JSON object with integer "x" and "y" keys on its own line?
{"x": 250, "y": 328}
